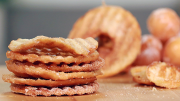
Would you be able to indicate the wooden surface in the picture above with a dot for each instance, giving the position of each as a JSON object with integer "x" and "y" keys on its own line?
{"x": 117, "y": 88}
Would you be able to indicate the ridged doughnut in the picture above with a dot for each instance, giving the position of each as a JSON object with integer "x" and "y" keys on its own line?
{"x": 118, "y": 32}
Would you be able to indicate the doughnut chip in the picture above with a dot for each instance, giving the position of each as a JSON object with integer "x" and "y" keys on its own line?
{"x": 139, "y": 75}
{"x": 11, "y": 78}
{"x": 46, "y": 91}
{"x": 76, "y": 46}
{"x": 164, "y": 74}
{"x": 55, "y": 59}
{"x": 96, "y": 65}
{"x": 118, "y": 33}
{"x": 39, "y": 72}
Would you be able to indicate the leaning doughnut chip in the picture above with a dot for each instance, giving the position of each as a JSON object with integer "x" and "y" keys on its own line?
{"x": 164, "y": 75}
{"x": 139, "y": 75}
{"x": 55, "y": 59}
{"x": 76, "y": 46}
{"x": 11, "y": 78}
{"x": 34, "y": 91}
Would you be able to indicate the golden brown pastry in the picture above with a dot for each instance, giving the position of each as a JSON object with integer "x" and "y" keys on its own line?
{"x": 171, "y": 51}
{"x": 151, "y": 50}
{"x": 53, "y": 66}
{"x": 163, "y": 23}
{"x": 164, "y": 74}
{"x": 139, "y": 75}
{"x": 118, "y": 33}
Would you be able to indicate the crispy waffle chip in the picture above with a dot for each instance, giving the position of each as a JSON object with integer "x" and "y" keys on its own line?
{"x": 164, "y": 75}
{"x": 118, "y": 33}
{"x": 96, "y": 65}
{"x": 11, "y": 78}
{"x": 39, "y": 72}
{"x": 34, "y": 91}
{"x": 139, "y": 75}
{"x": 57, "y": 59}
{"x": 76, "y": 46}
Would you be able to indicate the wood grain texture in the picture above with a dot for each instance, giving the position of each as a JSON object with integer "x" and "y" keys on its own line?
{"x": 117, "y": 88}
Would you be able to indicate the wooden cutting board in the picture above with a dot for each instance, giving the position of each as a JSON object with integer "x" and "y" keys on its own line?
{"x": 117, "y": 88}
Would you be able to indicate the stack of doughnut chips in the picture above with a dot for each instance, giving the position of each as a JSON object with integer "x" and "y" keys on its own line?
{"x": 53, "y": 66}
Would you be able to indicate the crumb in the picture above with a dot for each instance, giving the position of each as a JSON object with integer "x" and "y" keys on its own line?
{"x": 154, "y": 89}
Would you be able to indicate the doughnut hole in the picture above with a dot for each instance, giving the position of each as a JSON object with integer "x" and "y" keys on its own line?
{"x": 147, "y": 56}
{"x": 163, "y": 23}
{"x": 105, "y": 45}
{"x": 171, "y": 51}
{"x": 151, "y": 49}
{"x": 151, "y": 41}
